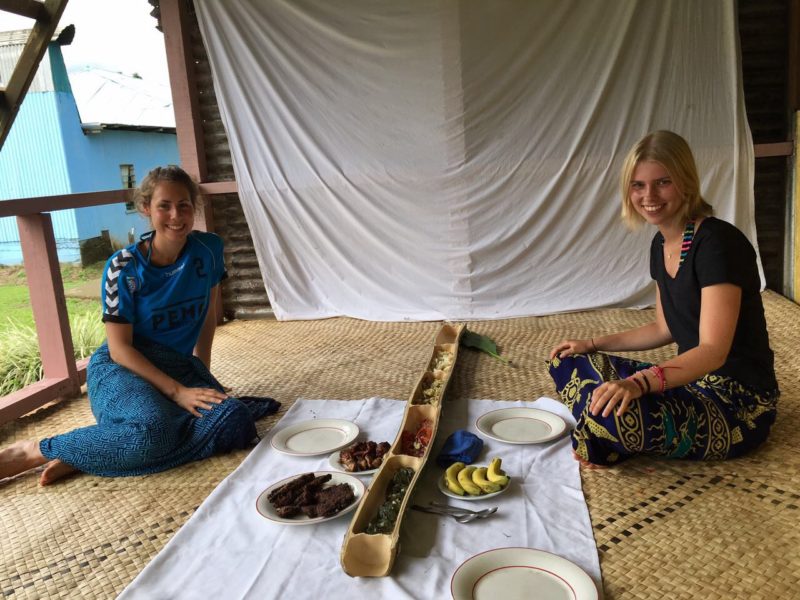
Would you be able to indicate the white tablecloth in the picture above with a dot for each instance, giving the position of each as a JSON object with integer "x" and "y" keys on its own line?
{"x": 227, "y": 550}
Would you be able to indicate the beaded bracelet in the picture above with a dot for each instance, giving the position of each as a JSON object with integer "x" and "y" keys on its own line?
{"x": 659, "y": 373}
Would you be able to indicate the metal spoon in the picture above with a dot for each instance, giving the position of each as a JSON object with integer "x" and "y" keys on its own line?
{"x": 464, "y": 516}
{"x": 459, "y": 509}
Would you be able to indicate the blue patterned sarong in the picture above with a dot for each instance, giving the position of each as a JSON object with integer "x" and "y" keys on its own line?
{"x": 712, "y": 418}
{"x": 141, "y": 431}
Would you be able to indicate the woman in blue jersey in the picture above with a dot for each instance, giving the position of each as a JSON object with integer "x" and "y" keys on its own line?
{"x": 156, "y": 403}
{"x": 717, "y": 398}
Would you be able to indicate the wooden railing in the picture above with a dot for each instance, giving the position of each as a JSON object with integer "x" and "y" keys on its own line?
{"x": 63, "y": 377}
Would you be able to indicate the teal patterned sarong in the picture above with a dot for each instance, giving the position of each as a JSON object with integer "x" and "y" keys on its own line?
{"x": 141, "y": 431}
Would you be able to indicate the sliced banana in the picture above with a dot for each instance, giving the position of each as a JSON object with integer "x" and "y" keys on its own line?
{"x": 495, "y": 474}
{"x": 451, "y": 478}
{"x": 465, "y": 481}
{"x": 479, "y": 477}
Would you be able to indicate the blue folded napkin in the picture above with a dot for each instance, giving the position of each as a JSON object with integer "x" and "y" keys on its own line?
{"x": 461, "y": 446}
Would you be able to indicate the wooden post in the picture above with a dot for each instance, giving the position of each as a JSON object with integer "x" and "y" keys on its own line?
{"x": 793, "y": 91}
{"x": 188, "y": 123}
{"x": 47, "y": 299}
{"x": 791, "y": 287}
{"x": 793, "y": 293}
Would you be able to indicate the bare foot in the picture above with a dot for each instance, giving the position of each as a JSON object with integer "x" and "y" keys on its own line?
{"x": 54, "y": 471}
{"x": 19, "y": 457}
{"x": 585, "y": 463}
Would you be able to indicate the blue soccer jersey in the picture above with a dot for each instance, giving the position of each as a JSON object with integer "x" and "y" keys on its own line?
{"x": 165, "y": 304}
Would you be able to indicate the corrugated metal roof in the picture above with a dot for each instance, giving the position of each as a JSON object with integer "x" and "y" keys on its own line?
{"x": 106, "y": 97}
{"x": 62, "y": 35}
{"x": 11, "y": 45}
{"x": 9, "y": 57}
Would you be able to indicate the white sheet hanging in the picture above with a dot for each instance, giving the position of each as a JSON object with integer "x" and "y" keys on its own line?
{"x": 459, "y": 159}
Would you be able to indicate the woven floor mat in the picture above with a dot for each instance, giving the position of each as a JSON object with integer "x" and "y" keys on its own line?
{"x": 664, "y": 529}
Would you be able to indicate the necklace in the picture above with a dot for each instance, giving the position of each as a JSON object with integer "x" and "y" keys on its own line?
{"x": 686, "y": 243}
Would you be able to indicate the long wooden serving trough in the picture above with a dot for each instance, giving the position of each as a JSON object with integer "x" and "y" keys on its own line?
{"x": 372, "y": 554}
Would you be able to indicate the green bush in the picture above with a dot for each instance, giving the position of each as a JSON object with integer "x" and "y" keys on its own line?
{"x": 20, "y": 362}
{"x": 88, "y": 332}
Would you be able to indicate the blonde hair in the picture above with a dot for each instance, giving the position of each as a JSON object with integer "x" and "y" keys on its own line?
{"x": 171, "y": 173}
{"x": 673, "y": 153}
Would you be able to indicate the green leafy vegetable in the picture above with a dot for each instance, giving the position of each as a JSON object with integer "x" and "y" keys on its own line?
{"x": 470, "y": 339}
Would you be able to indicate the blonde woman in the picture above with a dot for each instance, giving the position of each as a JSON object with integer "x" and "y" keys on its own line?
{"x": 717, "y": 398}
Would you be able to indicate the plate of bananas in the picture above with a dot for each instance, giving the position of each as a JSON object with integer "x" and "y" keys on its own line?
{"x": 473, "y": 482}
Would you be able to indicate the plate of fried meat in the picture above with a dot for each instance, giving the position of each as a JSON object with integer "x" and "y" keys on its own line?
{"x": 361, "y": 458}
{"x": 310, "y": 498}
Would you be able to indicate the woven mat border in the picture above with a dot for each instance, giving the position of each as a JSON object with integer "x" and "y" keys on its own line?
{"x": 664, "y": 529}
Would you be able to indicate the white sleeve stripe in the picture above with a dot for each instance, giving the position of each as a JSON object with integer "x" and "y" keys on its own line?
{"x": 112, "y": 281}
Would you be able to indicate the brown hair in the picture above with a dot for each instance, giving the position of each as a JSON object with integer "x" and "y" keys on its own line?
{"x": 171, "y": 173}
{"x": 673, "y": 153}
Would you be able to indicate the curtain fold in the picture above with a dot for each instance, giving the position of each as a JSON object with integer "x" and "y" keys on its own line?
{"x": 448, "y": 159}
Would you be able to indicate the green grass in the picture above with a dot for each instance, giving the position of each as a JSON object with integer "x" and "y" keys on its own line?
{"x": 20, "y": 363}
{"x": 15, "y": 307}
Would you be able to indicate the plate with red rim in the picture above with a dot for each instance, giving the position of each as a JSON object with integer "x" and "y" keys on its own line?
{"x": 521, "y": 574}
{"x": 266, "y": 510}
{"x": 314, "y": 437}
{"x": 523, "y": 425}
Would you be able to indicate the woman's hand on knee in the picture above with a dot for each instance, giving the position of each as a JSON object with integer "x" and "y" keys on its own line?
{"x": 619, "y": 393}
{"x": 569, "y": 347}
{"x": 192, "y": 399}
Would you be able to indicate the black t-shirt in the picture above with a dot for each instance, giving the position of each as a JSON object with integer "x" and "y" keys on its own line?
{"x": 720, "y": 253}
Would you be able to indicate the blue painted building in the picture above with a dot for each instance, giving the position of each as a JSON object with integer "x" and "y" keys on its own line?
{"x": 85, "y": 131}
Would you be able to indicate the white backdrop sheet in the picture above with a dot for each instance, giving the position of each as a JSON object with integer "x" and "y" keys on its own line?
{"x": 426, "y": 160}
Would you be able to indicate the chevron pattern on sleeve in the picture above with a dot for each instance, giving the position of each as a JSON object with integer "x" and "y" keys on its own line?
{"x": 111, "y": 283}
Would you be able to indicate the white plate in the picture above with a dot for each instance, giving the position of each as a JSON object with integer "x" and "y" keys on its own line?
{"x": 314, "y": 437}
{"x": 521, "y": 425}
{"x": 265, "y": 508}
{"x": 446, "y": 492}
{"x": 521, "y": 573}
{"x": 334, "y": 462}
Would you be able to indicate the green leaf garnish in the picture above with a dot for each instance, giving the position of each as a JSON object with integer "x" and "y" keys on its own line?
{"x": 470, "y": 339}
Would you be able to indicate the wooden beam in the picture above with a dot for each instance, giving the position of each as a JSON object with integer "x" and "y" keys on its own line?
{"x": 775, "y": 149}
{"x": 28, "y": 62}
{"x": 25, "y": 8}
{"x": 793, "y": 89}
{"x": 48, "y": 303}
{"x": 33, "y": 396}
{"x": 31, "y": 206}
{"x": 81, "y": 367}
{"x": 188, "y": 123}
{"x": 219, "y": 187}
{"x": 794, "y": 234}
